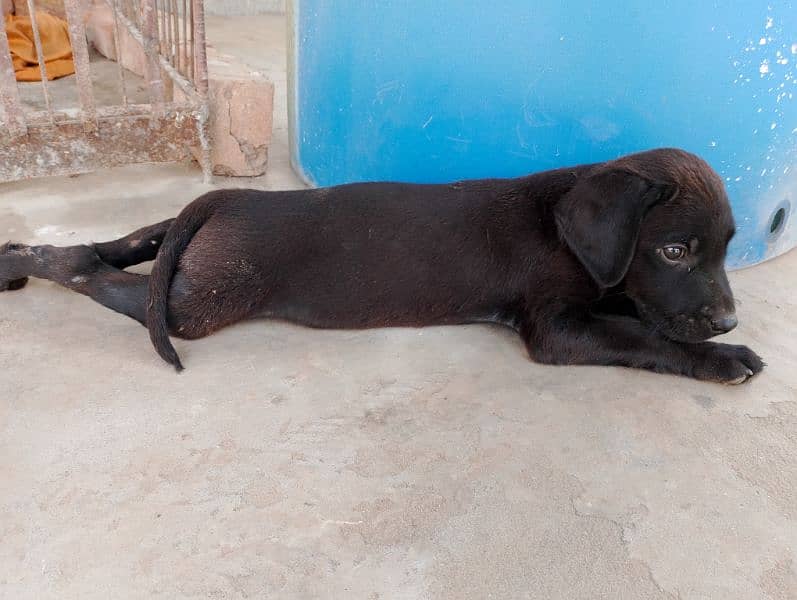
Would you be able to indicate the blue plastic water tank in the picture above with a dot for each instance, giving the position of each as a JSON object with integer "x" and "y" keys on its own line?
{"x": 433, "y": 91}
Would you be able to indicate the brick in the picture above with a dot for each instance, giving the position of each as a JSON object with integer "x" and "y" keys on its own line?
{"x": 241, "y": 114}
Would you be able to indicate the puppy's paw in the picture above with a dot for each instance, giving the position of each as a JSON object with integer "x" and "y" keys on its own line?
{"x": 726, "y": 363}
{"x": 14, "y": 284}
{"x": 12, "y": 247}
{"x": 6, "y": 282}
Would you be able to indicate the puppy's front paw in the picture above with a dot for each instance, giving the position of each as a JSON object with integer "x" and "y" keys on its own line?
{"x": 726, "y": 363}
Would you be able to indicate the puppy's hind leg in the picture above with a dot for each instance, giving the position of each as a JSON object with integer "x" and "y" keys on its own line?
{"x": 140, "y": 246}
{"x": 78, "y": 268}
{"x": 137, "y": 247}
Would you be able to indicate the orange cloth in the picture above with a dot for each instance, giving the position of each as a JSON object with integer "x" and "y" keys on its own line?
{"x": 56, "y": 47}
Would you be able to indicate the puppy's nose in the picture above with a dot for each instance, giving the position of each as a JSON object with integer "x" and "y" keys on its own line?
{"x": 724, "y": 323}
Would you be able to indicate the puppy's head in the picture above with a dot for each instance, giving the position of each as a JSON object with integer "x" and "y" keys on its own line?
{"x": 656, "y": 225}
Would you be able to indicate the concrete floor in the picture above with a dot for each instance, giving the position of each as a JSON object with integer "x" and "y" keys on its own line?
{"x": 436, "y": 463}
{"x": 105, "y": 83}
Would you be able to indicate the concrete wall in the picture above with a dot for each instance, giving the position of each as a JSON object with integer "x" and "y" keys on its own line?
{"x": 243, "y": 7}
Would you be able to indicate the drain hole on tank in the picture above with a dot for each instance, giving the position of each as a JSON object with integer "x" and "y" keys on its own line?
{"x": 777, "y": 221}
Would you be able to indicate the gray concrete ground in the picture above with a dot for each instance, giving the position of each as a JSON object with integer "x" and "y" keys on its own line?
{"x": 105, "y": 83}
{"x": 436, "y": 463}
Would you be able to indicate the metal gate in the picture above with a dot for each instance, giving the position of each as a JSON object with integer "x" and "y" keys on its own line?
{"x": 85, "y": 137}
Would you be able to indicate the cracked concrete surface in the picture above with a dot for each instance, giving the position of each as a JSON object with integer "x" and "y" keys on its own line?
{"x": 437, "y": 463}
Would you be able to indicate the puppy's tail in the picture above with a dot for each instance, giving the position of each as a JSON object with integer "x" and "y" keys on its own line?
{"x": 177, "y": 238}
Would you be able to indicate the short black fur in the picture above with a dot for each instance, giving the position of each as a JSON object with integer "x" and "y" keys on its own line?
{"x": 575, "y": 259}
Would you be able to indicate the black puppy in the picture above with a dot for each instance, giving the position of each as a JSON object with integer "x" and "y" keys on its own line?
{"x": 616, "y": 263}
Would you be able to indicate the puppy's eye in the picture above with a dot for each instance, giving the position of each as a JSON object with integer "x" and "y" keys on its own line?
{"x": 674, "y": 253}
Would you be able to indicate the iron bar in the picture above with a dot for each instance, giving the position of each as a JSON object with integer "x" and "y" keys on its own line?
{"x": 37, "y": 41}
{"x": 122, "y": 83}
{"x": 152, "y": 70}
{"x": 190, "y": 44}
{"x": 175, "y": 34}
{"x": 201, "y": 85}
{"x": 104, "y": 113}
{"x": 80, "y": 56}
{"x": 167, "y": 34}
{"x": 185, "y": 41}
{"x": 164, "y": 27}
{"x": 200, "y": 52}
{"x": 9, "y": 93}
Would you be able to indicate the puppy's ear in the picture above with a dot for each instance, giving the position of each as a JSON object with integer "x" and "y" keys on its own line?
{"x": 600, "y": 218}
